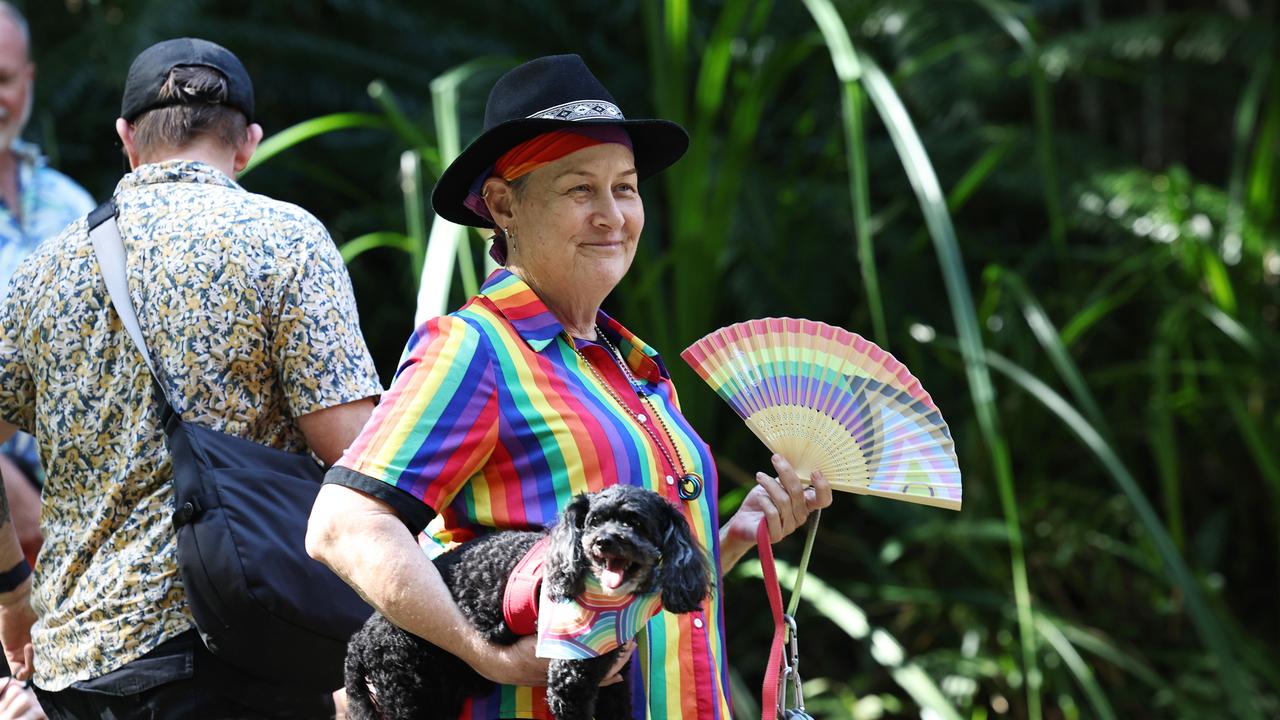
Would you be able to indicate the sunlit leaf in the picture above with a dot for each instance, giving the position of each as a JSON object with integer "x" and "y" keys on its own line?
{"x": 356, "y": 247}
{"x": 1050, "y": 631}
{"x": 308, "y": 129}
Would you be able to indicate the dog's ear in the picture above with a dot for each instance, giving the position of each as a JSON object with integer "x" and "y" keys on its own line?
{"x": 565, "y": 568}
{"x": 683, "y": 577}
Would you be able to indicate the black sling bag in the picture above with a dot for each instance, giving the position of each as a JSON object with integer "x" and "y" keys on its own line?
{"x": 240, "y": 513}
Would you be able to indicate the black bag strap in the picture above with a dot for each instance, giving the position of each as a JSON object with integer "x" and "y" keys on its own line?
{"x": 104, "y": 233}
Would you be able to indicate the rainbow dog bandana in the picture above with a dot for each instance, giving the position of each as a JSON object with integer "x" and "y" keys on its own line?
{"x": 591, "y": 624}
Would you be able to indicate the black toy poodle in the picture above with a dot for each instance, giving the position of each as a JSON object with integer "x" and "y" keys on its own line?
{"x": 629, "y": 538}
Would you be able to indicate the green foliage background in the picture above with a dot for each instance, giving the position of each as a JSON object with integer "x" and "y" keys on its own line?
{"x": 1061, "y": 214}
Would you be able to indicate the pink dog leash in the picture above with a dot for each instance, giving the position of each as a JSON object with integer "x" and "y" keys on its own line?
{"x": 773, "y": 670}
{"x": 783, "y": 668}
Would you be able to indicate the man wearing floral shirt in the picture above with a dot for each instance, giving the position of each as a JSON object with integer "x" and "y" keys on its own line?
{"x": 249, "y": 316}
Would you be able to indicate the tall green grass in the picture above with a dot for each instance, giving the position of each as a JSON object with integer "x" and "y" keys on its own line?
{"x": 1012, "y": 19}
{"x": 853, "y": 66}
{"x": 447, "y": 245}
{"x": 853, "y": 100}
{"x": 1206, "y": 620}
{"x": 683, "y": 298}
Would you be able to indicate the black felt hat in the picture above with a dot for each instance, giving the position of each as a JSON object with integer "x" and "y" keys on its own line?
{"x": 542, "y": 95}
{"x": 150, "y": 70}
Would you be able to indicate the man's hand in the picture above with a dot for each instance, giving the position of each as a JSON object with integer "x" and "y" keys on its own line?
{"x": 18, "y": 702}
{"x": 16, "y": 619}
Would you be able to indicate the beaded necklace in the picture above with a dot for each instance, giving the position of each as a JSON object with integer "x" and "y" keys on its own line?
{"x": 690, "y": 484}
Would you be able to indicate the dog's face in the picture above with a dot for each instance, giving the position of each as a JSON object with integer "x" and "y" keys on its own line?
{"x": 621, "y": 539}
{"x": 632, "y": 541}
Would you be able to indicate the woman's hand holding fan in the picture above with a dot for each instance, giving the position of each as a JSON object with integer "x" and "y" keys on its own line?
{"x": 784, "y": 502}
{"x": 829, "y": 400}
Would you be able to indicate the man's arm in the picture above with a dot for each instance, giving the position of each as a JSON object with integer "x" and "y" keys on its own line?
{"x": 24, "y": 506}
{"x": 16, "y": 615}
{"x": 331, "y": 430}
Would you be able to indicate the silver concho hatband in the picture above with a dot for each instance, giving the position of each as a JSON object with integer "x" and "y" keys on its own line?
{"x": 581, "y": 110}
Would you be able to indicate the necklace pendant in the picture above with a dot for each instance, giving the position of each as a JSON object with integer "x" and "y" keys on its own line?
{"x": 690, "y": 486}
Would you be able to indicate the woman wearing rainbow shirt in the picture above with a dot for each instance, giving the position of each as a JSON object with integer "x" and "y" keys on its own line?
{"x": 504, "y": 410}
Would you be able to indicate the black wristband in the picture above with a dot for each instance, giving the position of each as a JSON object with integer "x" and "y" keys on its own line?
{"x": 13, "y": 577}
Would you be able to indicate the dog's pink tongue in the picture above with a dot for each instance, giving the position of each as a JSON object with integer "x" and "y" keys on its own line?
{"x": 613, "y": 573}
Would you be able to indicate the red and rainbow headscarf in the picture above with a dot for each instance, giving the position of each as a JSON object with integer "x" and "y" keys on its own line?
{"x": 532, "y": 154}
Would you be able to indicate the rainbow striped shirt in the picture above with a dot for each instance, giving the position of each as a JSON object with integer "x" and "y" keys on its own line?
{"x": 494, "y": 421}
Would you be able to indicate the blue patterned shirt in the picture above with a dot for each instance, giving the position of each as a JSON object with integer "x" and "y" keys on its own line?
{"x": 50, "y": 201}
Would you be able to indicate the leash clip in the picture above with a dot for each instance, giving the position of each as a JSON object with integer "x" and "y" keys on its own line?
{"x": 791, "y": 675}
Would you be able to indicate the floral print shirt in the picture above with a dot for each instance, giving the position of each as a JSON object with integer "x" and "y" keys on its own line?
{"x": 248, "y": 312}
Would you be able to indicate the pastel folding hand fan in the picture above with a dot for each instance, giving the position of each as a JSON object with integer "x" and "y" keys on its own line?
{"x": 828, "y": 399}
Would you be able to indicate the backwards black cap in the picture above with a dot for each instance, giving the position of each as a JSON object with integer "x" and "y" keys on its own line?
{"x": 151, "y": 68}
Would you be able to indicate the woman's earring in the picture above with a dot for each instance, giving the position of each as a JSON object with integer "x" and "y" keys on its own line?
{"x": 511, "y": 238}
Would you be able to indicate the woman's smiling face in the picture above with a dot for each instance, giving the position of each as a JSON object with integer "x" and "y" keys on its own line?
{"x": 577, "y": 220}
